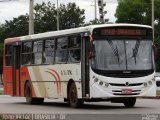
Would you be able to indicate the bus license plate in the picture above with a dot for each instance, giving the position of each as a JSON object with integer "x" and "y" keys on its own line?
{"x": 127, "y": 91}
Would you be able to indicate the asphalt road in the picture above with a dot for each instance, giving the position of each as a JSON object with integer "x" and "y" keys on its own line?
{"x": 17, "y": 105}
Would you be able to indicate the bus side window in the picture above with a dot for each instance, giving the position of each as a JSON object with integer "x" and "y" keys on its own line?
{"x": 8, "y": 55}
{"x": 74, "y": 54}
{"x": 48, "y": 54}
{"x": 61, "y": 52}
{"x": 37, "y": 52}
{"x": 26, "y": 53}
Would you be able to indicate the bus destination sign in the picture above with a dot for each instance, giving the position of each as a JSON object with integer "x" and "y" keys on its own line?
{"x": 123, "y": 31}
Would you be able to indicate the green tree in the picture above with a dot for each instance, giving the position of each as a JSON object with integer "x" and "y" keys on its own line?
{"x": 139, "y": 12}
{"x": 2, "y": 32}
{"x": 71, "y": 16}
{"x": 16, "y": 27}
{"x": 134, "y": 11}
{"x": 46, "y": 17}
{"x": 94, "y": 22}
{"x": 97, "y": 21}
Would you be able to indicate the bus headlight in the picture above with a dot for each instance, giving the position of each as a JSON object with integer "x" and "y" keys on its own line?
{"x": 145, "y": 84}
{"x": 150, "y": 82}
{"x": 153, "y": 79}
{"x": 106, "y": 85}
{"x": 100, "y": 83}
{"x": 96, "y": 80}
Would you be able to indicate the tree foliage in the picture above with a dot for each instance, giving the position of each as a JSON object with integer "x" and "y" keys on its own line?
{"x": 134, "y": 11}
{"x": 93, "y": 22}
{"x": 71, "y": 16}
{"x": 45, "y": 16}
{"x": 16, "y": 27}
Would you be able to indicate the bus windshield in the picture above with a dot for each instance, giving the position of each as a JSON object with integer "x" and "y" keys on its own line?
{"x": 122, "y": 54}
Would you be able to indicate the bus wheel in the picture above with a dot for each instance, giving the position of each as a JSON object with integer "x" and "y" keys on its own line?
{"x": 29, "y": 98}
{"x": 73, "y": 100}
{"x": 28, "y": 94}
{"x": 130, "y": 102}
{"x": 38, "y": 101}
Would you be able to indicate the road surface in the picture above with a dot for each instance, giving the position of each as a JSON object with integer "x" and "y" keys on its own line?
{"x": 17, "y": 105}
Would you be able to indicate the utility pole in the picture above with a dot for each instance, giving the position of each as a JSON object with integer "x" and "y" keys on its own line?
{"x": 95, "y": 6}
{"x": 153, "y": 17}
{"x": 57, "y": 15}
{"x": 31, "y": 17}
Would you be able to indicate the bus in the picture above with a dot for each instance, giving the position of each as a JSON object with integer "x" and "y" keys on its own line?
{"x": 107, "y": 62}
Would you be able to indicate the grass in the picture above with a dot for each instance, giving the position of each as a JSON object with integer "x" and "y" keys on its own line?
{"x": 158, "y": 92}
{"x": 1, "y": 118}
{"x": 1, "y": 92}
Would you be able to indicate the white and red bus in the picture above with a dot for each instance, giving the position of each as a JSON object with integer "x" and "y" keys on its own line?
{"x": 108, "y": 62}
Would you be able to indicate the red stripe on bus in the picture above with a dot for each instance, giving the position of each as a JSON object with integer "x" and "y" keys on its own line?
{"x": 57, "y": 81}
{"x": 57, "y": 76}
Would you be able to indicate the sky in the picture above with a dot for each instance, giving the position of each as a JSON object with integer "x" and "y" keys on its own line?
{"x": 12, "y": 9}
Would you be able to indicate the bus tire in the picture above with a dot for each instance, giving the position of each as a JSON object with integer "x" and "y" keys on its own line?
{"x": 28, "y": 94}
{"x": 73, "y": 100}
{"x": 38, "y": 101}
{"x": 29, "y": 98}
{"x": 130, "y": 102}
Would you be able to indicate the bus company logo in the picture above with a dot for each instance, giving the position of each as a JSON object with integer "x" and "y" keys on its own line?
{"x": 66, "y": 72}
{"x": 150, "y": 117}
{"x": 127, "y": 84}
{"x": 56, "y": 78}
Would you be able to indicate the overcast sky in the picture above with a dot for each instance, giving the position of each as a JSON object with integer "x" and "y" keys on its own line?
{"x": 11, "y": 9}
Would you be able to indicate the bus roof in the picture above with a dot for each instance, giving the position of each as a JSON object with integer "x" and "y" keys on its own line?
{"x": 70, "y": 31}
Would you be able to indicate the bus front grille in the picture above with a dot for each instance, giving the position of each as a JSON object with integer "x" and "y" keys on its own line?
{"x": 126, "y": 94}
{"x": 120, "y": 92}
{"x": 132, "y": 84}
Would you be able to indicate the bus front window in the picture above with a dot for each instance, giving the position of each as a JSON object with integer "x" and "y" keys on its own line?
{"x": 122, "y": 55}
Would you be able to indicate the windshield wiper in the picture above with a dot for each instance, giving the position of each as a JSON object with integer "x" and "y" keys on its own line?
{"x": 115, "y": 50}
{"x": 135, "y": 50}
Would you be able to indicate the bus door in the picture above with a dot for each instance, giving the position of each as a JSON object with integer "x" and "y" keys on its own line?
{"x": 85, "y": 66}
{"x": 16, "y": 70}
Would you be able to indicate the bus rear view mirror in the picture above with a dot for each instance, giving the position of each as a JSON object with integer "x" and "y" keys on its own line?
{"x": 155, "y": 52}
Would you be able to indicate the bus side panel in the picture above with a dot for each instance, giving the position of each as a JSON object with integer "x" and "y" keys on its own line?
{"x": 37, "y": 80}
{"x": 51, "y": 81}
{"x": 7, "y": 80}
{"x": 24, "y": 77}
{"x": 69, "y": 72}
